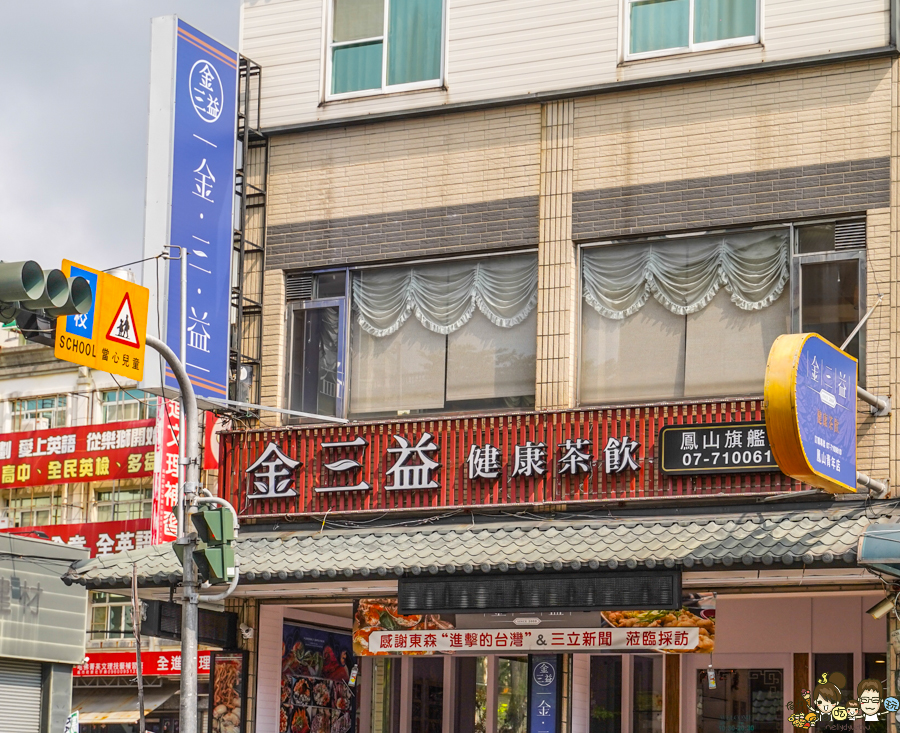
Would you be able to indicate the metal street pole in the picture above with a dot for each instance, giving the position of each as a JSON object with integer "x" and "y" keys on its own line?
{"x": 190, "y": 439}
{"x": 182, "y": 528}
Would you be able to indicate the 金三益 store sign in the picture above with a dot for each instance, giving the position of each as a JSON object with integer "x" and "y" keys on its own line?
{"x": 75, "y": 455}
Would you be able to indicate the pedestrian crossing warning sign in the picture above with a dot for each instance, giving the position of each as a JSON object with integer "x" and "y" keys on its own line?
{"x": 111, "y": 336}
{"x": 122, "y": 330}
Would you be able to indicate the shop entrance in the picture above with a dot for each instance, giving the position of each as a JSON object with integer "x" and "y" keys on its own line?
{"x": 486, "y": 694}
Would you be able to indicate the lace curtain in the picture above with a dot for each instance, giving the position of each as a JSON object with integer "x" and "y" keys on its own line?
{"x": 443, "y": 297}
{"x": 684, "y": 275}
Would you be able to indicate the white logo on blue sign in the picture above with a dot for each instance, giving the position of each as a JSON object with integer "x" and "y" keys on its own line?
{"x": 206, "y": 91}
{"x": 544, "y": 674}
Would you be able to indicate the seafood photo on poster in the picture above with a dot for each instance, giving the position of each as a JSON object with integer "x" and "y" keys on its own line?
{"x": 316, "y": 696}
{"x": 381, "y": 614}
{"x": 698, "y": 610}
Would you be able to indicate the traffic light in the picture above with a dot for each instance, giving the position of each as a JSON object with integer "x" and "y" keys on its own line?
{"x": 35, "y": 298}
{"x": 214, "y": 553}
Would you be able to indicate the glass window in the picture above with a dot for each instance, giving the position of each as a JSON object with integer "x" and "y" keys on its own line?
{"x": 416, "y": 331}
{"x": 606, "y": 694}
{"x": 664, "y": 26}
{"x": 831, "y": 292}
{"x": 118, "y": 502}
{"x": 111, "y": 616}
{"x": 317, "y": 379}
{"x": 654, "y": 312}
{"x": 40, "y": 413}
{"x": 647, "y": 693}
{"x": 512, "y": 695}
{"x": 833, "y": 665}
{"x": 33, "y": 506}
{"x": 386, "y": 695}
{"x": 427, "y": 694}
{"x": 384, "y": 44}
{"x": 744, "y": 699}
{"x": 128, "y": 404}
{"x": 874, "y": 668}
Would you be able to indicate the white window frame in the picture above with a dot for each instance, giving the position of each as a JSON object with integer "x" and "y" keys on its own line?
{"x": 122, "y": 495}
{"x": 125, "y": 398}
{"x": 101, "y": 638}
{"x": 59, "y": 413}
{"x": 691, "y": 47}
{"x": 329, "y": 47}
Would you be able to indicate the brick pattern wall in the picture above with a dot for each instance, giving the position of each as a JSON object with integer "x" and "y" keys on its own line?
{"x": 823, "y": 189}
{"x": 557, "y": 270}
{"x": 441, "y": 230}
{"x": 274, "y": 345}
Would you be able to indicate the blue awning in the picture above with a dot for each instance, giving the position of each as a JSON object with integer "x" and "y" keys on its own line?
{"x": 879, "y": 548}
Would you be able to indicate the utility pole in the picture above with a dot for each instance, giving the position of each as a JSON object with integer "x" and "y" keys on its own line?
{"x": 190, "y": 439}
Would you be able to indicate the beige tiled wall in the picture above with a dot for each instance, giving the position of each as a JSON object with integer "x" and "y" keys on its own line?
{"x": 410, "y": 164}
{"x": 557, "y": 271}
{"x": 821, "y": 114}
{"x": 273, "y": 343}
{"x": 873, "y": 433}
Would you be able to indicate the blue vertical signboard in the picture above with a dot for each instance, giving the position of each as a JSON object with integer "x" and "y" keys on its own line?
{"x": 206, "y": 78}
{"x": 543, "y": 694}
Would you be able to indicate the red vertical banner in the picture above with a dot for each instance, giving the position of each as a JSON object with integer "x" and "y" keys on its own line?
{"x": 212, "y": 426}
{"x": 163, "y": 523}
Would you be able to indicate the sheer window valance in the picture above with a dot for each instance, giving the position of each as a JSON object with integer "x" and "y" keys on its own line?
{"x": 685, "y": 275}
{"x": 443, "y": 297}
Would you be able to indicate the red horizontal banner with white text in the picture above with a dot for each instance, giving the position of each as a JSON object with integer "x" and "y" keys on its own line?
{"x": 101, "y": 538}
{"x": 559, "y": 457}
{"x": 87, "y": 453}
{"x": 115, "y": 664}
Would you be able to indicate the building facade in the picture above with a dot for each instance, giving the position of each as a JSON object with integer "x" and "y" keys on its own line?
{"x": 535, "y": 256}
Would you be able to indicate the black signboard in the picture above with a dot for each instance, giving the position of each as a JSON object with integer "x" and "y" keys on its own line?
{"x": 734, "y": 447}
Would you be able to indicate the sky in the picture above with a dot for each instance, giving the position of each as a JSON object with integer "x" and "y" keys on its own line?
{"x": 73, "y": 124}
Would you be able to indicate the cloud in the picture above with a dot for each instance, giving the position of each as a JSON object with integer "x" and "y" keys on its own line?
{"x": 74, "y": 124}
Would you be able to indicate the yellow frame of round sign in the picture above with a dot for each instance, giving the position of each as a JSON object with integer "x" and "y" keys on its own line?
{"x": 782, "y": 425}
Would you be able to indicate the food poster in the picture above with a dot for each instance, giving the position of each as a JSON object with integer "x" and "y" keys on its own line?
{"x": 228, "y": 691}
{"x": 698, "y": 610}
{"x": 381, "y": 614}
{"x": 316, "y": 696}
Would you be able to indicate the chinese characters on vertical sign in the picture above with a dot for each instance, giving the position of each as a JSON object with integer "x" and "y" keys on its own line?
{"x": 413, "y": 467}
{"x": 201, "y": 211}
{"x": 163, "y": 522}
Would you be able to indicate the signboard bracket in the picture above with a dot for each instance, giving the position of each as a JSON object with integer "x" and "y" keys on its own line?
{"x": 880, "y": 406}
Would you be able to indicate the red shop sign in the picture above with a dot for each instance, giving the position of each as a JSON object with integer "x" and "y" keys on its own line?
{"x": 75, "y": 455}
{"x": 494, "y": 460}
{"x": 163, "y": 523}
{"x": 101, "y": 538}
{"x": 123, "y": 664}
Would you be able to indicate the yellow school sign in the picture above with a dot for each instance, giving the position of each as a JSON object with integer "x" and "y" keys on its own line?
{"x": 112, "y": 335}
